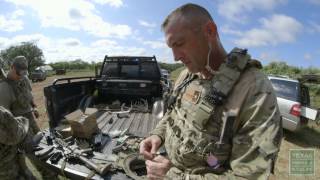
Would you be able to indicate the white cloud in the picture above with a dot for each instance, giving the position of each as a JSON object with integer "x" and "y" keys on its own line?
{"x": 228, "y": 30}
{"x": 10, "y": 25}
{"x": 315, "y": 27}
{"x": 103, "y": 43}
{"x": 10, "y": 22}
{"x": 59, "y": 49}
{"x": 71, "y": 42}
{"x": 17, "y": 13}
{"x": 35, "y": 38}
{"x": 3, "y": 42}
{"x": 113, "y": 3}
{"x": 236, "y": 10}
{"x": 147, "y": 24}
{"x": 163, "y": 52}
{"x": 155, "y": 44}
{"x": 307, "y": 56}
{"x": 266, "y": 57}
{"x": 74, "y": 15}
{"x": 278, "y": 29}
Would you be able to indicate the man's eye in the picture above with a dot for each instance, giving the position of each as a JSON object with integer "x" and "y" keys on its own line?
{"x": 178, "y": 44}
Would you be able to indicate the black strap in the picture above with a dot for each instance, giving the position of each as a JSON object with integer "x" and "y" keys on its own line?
{"x": 174, "y": 95}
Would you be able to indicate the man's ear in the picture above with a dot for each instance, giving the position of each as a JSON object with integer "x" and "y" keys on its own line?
{"x": 211, "y": 29}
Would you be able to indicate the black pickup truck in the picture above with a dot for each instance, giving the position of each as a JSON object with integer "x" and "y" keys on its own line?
{"x": 127, "y": 95}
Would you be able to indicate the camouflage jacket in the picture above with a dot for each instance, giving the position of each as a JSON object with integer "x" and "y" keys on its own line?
{"x": 257, "y": 131}
{"x": 12, "y": 132}
{"x": 16, "y": 96}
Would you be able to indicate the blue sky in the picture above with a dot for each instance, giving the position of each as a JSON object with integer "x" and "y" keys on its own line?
{"x": 272, "y": 30}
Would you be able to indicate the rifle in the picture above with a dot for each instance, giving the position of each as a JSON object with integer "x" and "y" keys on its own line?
{"x": 71, "y": 150}
{"x": 75, "y": 152}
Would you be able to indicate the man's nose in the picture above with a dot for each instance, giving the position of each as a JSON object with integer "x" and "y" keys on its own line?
{"x": 177, "y": 55}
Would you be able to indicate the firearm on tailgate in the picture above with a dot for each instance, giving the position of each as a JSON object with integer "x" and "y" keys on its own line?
{"x": 75, "y": 152}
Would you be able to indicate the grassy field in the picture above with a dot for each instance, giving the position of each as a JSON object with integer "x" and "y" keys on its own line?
{"x": 174, "y": 74}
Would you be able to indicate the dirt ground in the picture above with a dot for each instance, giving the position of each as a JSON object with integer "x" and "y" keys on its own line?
{"x": 307, "y": 138}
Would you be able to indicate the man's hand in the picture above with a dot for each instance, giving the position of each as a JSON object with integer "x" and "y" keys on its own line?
{"x": 149, "y": 146}
{"x": 30, "y": 142}
{"x": 158, "y": 167}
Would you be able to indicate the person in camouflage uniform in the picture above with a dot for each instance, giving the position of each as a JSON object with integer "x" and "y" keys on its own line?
{"x": 16, "y": 96}
{"x": 13, "y": 130}
{"x": 223, "y": 121}
{"x": 15, "y": 92}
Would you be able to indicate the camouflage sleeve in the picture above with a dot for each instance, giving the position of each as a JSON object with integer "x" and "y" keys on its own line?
{"x": 160, "y": 129}
{"x": 257, "y": 141}
{"x": 29, "y": 88}
{"x": 6, "y": 96}
{"x": 12, "y": 129}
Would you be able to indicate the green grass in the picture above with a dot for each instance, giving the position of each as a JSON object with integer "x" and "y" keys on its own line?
{"x": 75, "y": 73}
{"x": 79, "y": 73}
{"x": 174, "y": 74}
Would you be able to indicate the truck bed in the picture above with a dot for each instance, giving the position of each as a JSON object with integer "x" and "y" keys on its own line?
{"x": 138, "y": 124}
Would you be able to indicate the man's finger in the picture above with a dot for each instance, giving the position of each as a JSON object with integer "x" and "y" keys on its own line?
{"x": 146, "y": 155}
{"x": 142, "y": 147}
{"x": 145, "y": 150}
{"x": 153, "y": 166}
{"x": 160, "y": 158}
{"x": 153, "y": 170}
{"x": 154, "y": 149}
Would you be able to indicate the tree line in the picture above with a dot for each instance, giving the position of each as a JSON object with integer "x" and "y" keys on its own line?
{"x": 35, "y": 59}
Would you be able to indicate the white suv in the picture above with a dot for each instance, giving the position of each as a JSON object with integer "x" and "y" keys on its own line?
{"x": 291, "y": 96}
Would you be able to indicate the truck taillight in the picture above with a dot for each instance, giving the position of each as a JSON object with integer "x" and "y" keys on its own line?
{"x": 296, "y": 110}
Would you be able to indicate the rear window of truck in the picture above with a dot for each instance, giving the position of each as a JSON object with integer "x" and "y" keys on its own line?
{"x": 131, "y": 70}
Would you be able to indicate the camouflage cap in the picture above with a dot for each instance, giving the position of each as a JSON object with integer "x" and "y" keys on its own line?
{"x": 20, "y": 63}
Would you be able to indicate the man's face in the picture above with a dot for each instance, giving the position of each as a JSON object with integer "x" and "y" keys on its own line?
{"x": 16, "y": 75}
{"x": 190, "y": 46}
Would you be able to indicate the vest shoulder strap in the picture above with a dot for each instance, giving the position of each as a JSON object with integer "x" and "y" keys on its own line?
{"x": 227, "y": 76}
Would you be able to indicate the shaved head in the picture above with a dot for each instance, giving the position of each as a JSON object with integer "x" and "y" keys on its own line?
{"x": 193, "y": 15}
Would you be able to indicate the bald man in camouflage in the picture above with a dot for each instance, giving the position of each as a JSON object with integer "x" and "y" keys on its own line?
{"x": 223, "y": 120}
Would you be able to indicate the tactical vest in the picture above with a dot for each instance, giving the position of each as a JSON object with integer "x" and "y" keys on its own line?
{"x": 200, "y": 140}
{"x": 23, "y": 97}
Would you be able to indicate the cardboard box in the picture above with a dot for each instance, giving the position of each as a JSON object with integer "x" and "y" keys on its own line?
{"x": 83, "y": 125}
